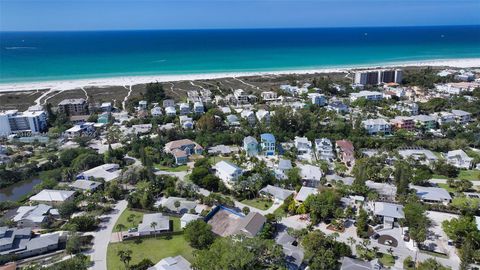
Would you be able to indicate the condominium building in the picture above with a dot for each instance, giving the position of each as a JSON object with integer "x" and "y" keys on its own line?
{"x": 13, "y": 121}
{"x": 403, "y": 122}
{"x": 376, "y": 126}
{"x": 374, "y": 77}
{"x": 368, "y": 95}
{"x": 74, "y": 106}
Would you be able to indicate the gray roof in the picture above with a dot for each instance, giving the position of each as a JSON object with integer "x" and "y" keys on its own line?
{"x": 184, "y": 207}
{"x": 85, "y": 184}
{"x": 249, "y": 140}
{"x": 50, "y": 195}
{"x": 163, "y": 223}
{"x": 432, "y": 193}
{"x": 284, "y": 164}
{"x": 172, "y": 263}
{"x": 388, "y": 210}
{"x": 43, "y": 241}
{"x": 355, "y": 264}
{"x": 278, "y": 193}
{"x": 251, "y": 224}
{"x": 293, "y": 252}
{"x": 304, "y": 192}
{"x": 35, "y": 213}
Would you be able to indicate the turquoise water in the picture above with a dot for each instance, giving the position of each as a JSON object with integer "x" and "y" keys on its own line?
{"x": 37, "y": 56}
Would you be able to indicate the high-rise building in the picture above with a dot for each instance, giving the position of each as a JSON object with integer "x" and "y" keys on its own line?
{"x": 374, "y": 77}
{"x": 13, "y": 121}
{"x": 74, "y": 106}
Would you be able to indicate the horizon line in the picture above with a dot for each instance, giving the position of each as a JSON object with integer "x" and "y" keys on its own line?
{"x": 239, "y": 28}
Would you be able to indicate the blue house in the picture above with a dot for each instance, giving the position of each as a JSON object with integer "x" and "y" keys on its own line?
{"x": 267, "y": 143}
{"x": 250, "y": 145}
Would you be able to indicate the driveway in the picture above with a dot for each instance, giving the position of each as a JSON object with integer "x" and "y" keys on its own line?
{"x": 98, "y": 253}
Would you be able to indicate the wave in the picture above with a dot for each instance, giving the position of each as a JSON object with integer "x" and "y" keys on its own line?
{"x": 20, "y": 48}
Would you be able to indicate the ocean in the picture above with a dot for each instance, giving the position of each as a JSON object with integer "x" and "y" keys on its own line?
{"x": 41, "y": 56}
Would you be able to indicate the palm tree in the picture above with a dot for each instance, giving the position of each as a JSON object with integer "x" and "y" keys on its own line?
{"x": 120, "y": 227}
{"x": 131, "y": 218}
{"x": 366, "y": 243}
{"x": 176, "y": 204}
{"x": 335, "y": 235}
{"x": 153, "y": 225}
{"x": 125, "y": 257}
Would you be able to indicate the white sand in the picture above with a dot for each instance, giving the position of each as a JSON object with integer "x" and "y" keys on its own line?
{"x": 132, "y": 80}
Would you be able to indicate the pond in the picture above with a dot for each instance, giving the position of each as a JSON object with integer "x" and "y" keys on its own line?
{"x": 18, "y": 190}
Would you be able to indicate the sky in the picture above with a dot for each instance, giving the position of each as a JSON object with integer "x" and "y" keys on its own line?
{"x": 59, "y": 15}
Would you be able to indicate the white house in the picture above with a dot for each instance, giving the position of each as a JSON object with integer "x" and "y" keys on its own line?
{"x": 444, "y": 117}
{"x": 268, "y": 95}
{"x": 304, "y": 192}
{"x": 263, "y": 116}
{"x": 154, "y": 223}
{"x": 240, "y": 96}
{"x": 198, "y": 108}
{"x": 459, "y": 159}
{"x": 156, "y": 111}
{"x": 376, "y": 126}
{"x": 53, "y": 197}
{"x": 249, "y": 116}
{"x": 310, "y": 175}
{"x": 432, "y": 194}
{"x": 108, "y": 172}
{"x": 172, "y": 263}
{"x": 184, "y": 108}
{"x": 187, "y": 218}
{"x": 227, "y": 172}
{"x": 324, "y": 149}
{"x": 170, "y": 111}
{"x": 462, "y": 117}
{"x": 368, "y": 95}
{"x": 186, "y": 122}
{"x": 303, "y": 145}
{"x": 389, "y": 212}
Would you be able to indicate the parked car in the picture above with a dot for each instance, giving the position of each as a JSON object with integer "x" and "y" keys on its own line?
{"x": 132, "y": 230}
{"x": 375, "y": 236}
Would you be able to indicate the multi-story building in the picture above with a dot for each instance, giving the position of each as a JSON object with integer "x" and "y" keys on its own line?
{"x": 269, "y": 95}
{"x": 324, "y": 149}
{"x": 368, "y": 95}
{"x": 410, "y": 108}
{"x": 184, "y": 108}
{"x": 198, "y": 107}
{"x": 263, "y": 116}
{"x": 345, "y": 152}
{"x": 374, "y": 77}
{"x": 240, "y": 96}
{"x": 317, "y": 99}
{"x": 249, "y": 116}
{"x": 403, "y": 122}
{"x": 443, "y": 117}
{"x": 376, "y": 126}
{"x": 74, "y": 106}
{"x": 303, "y": 145}
{"x": 13, "y": 121}
{"x": 267, "y": 144}
{"x": 462, "y": 117}
{"x": 250, "y": 145}
{"x": 425, "y": 121}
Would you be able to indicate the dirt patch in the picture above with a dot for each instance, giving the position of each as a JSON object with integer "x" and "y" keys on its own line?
{"x": 224, "y": 223}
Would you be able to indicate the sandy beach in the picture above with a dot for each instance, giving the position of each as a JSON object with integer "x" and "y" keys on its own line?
{"x": 64, "y": 85}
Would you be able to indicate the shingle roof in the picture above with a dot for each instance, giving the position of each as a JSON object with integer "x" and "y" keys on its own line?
{"x": 251, "y": 224}
{"x": 278, "y": 193}
{"x": 52, "y": 195}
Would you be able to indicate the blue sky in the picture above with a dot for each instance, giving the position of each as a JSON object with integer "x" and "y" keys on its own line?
{"x": 48, "y": 15}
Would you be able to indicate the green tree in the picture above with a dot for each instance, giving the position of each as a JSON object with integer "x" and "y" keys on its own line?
{"x": 199, "y": 234}
{"x": 431, "y": 264}
{"x": 323, "y": 205}
{"x": 125, "y": 257}
{"x": 362, "y": 224}
{"x": 416, "y": 219}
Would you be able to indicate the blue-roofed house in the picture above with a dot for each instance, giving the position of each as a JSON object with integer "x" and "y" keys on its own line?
{"x": 267, "y": 143}
{"x": 250, "y": 145}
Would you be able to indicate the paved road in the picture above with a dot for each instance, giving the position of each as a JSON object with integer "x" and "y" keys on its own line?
{"x": 253, "y": 209}
{"x": 102, "y": 237}
{"x": 444, "y": 181}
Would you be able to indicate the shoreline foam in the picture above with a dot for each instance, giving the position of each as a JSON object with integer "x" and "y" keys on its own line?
{"x": 133, "y": 80}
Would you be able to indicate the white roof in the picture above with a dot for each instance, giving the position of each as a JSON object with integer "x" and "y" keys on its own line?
{"x": 34, "y": 213}
{"x": 108, "y": 172}
{"x": 163, "y": 222}
{"x": 388, "y": 210}
{"x": 189, "y": 217}
{"x": 172, "y": 263}
{"x": 304, "y": 192}
{"x": 50, "y": 195}
{"x": 278, "y": 193}
{"x": 227, "y": 167}
{"x": 432, "y": 193}
{"x": 459, "y": 153}
{"x": 310, "y": 172}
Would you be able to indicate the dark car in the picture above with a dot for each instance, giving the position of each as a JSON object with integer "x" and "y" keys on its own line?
{"x": 375, "y": 236}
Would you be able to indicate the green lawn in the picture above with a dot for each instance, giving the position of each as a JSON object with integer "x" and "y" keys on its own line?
{"x": 181, "y": 168}
{"x": 124, "y": 216}
{"x": 386, "y": 259}
{"x": 261, "y": 204}
{"x": 439, "y": 176}
{"x": 215, "y": 159}
{"x": 154, "y": 249}
{"x": 138, "y": 218}
{"x": 446, "y": 187}
{"x": 472, "y": 175}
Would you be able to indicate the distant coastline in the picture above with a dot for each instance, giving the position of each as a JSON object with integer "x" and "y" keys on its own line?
{"x": 72, "y": 84}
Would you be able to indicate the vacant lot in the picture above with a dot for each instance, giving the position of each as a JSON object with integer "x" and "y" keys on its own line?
{"x": 224, "y": 222}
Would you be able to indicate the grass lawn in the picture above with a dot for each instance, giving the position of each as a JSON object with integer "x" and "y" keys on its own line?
{"x": 124, "y": 216}
{"x": 434, "y": 254}
{"x": 261, "y": 204}
{"x": 386, "y": 259}
{"x": 215, "y": 159}
{"x": 438, "y": 176}
{"x": 472, "y": 175}
{"x": 446, "y": 187}
{"x": 181, "y": 168}
{"x": 154, "y": 249}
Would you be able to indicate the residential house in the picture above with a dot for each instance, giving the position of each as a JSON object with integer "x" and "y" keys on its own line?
{"x": 53, "y": 197}
{"x": 388, "y": 212}
{"x": 317, "y": 99}
{"x": 284, "y": 165}
{"x": 250, "y": 145}
{"x": 459, "y": 159}
{"x": 187, "y": 218}
{"x": 232, "y": 120}
{"x": 269, "y": 95}
{"x": 172, "y": 263}
{"x": 182, "y": 149}
{"x": 80, "y": 129}
{"x": 443, "y": 117}
{"x": 184, "y": 108}
{"x": 198, "y": 108}
{"x": 409, "y": 108}
{"x": 169, "y": 204}
{"x": 251, "y": 225}
{"x": 156, "y": 111}
{"x": 249, "y": 116}
{"x": 403, "y": 122}
{"x": 168, "y": 103}
{"x": 267, "y": 144}
{"x": 310, "y": 175}
{"x": 304, "y": 192}
{"x": 227, "y": 172}
{"x": 368, "y": 95}
{"x": 20, "y": 243}
{"x": 432, "y": 194}
{"x": 293, "y": 252}
{"x": 338, "y": 107}
{"x": 186, "y": 122}
{"x": 324, "y": 149}
{"x": 240, "y": 96}
{"x": 263, "y": 116}
{"x": 357, "y": 264}
{"x": 142, "y": 105}
{"x": 33, "y": 216}
{"x": 170, "y": 111}
{"x": 376, "y": 126}
{"x": 278, "y": 194}
{"x": 106, "y": 107}
{"x": 462, "y": 117}
{"x": 345, "y": 152}
{"x": 153, "y": 224}
{"x": 303, "y": 145}
{"x": 85, "y": 185}
{"x": 426, "y": 122}
{"x": 107, "y": 172}
{"x": 424, "y": 156}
